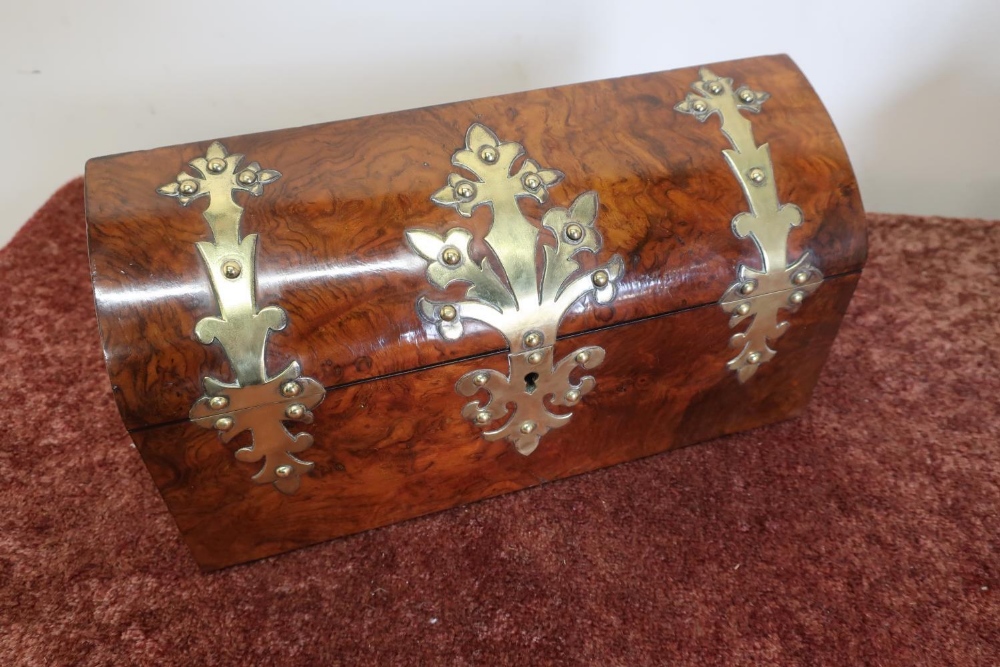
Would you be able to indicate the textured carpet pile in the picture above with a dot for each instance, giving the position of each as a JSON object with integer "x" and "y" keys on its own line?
{"x": 866, "y": 532}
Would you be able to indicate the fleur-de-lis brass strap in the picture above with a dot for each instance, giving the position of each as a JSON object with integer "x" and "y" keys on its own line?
{"x": 255, "y": 401}
{"x": 758, "y": 293}
{"x": 506, "y": 291}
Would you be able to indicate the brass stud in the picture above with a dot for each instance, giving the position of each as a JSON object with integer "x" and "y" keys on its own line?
{"x": 600, "y": 278}
{"x": 582, "y": 357}
{"x": 465, "y": 190}
{"x": 291, "y": 389}
{"x": 532, "y": 339}
{"x": 223, "y": 423}
{"x": 748, "y": 95}
{"x": 797, "y": 297}
{"x": 535, "y": 358}
{"x": 800, "y": 278}
{"x": 295, "y": 411}
{"x": 528, "y": 428}
{"x": 247, "y": 177}
{"x": 715, "y": 88}
{"x": 480, "y": 379}
{"x": 488, "y": 154}
{"x": 748, "y": 287}
{"x": 218, "y": 402}
{"x": 743, "y": 309}
{"x": 284, "y": 471}
{"x": 753, "y": 358}
{"x": 448, "y": 313}
{"x": 188, "y": 187}
{"x": 451, "y": 256}
{"x": 216, "y": 165}
{"x": 483, "y": 417}
{"x": 532, "y": 182}
{"x": 574, "y": 232}
{"x": 757, "y": 176}
{"x": 232, "y": 269}
{"x": 572, "y": 396}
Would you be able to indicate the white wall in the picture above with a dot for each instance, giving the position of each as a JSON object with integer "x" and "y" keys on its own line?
{"x": 914, "y": 85}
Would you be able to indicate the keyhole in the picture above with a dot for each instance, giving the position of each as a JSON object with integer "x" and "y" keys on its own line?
{"x": 529, "y": 382}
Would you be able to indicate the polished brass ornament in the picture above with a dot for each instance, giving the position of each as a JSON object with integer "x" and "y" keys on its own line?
{"x": 518, "y": 302}
{"x": 758, "y": 293}
{"x": 255, "y": 401}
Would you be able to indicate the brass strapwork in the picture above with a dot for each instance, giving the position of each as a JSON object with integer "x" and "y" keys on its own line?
{"x": 254, "y": 401}
{"x": 759, "y": 292}
{"x": 507, "y": 292}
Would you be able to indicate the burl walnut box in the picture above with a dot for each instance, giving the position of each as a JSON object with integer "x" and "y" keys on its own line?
{"x": 317, "y": 331}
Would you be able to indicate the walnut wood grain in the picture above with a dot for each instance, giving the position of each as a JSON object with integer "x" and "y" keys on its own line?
{"x": 396, "y": 448}
{"x": 332, "y": 252}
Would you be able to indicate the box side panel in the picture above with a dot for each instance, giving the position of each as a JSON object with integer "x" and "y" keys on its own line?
{"x": 331, "y": 246}
{"x": 397, "y": 448}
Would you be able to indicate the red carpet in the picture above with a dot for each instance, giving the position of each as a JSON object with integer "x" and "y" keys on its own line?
{"x": 865, "y": 533}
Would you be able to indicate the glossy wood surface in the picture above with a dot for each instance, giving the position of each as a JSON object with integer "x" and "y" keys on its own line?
{"x": 332, "y": 251}
{"x": 396, "y": 448}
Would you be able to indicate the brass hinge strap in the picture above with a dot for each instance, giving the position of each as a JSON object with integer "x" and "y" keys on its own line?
{"x": 758, "y": 293}
{"x": 254, "y": 401}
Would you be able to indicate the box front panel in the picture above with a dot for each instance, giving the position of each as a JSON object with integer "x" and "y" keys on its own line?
{"x": 396, "y": 448}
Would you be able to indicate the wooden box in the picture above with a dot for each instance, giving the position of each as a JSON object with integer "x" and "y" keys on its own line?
{"x": 317, "y": 331}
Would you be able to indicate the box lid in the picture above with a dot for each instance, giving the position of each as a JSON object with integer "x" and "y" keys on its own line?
{"x": 332, "y": 249}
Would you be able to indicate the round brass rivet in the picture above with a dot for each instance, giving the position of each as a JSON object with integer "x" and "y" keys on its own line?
{"x": 188, "y": 187}
{"x": 483, "y": 417}
{"x": 574, "y": 232}
{"x": 535, "y": 358}
{"x": 582, "y": 357}
{"x": 448, "y": 313}
{"x": 223, "y": 423}
{"x": 757, "y": 176}
{"x": 232, "y": 269}
{"x": 532, "y": 182}
{"x": 295, "y": 411}
{"x": 753, "y": 358}
{"x": 216, "y": 165}
{"x": 699, "y": 106}
{"x": 600, "y": 278}
{"x": 218, "y": 402}
{"x": 572, "y": 396}
{"x": 451, "y": 256}
{"x": 743, "y": 308}
{"x": 797, "y": 297}
{"x": 528, "y": 427}
{"x": 800, "y": 278}
{"x": 488, "y": 154}
{"x": 480, "y": 379}
{"x": 715, "y": 88}
{"x": 748, "y": 288}
{"x": 284, "y": 471}
{"x": 291, "y": 389}
{"x": 247, "y": 177}
{"x": 748, "y": 96}
{"x": 532, "y": 339}
{"x": 465, "y": 190}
